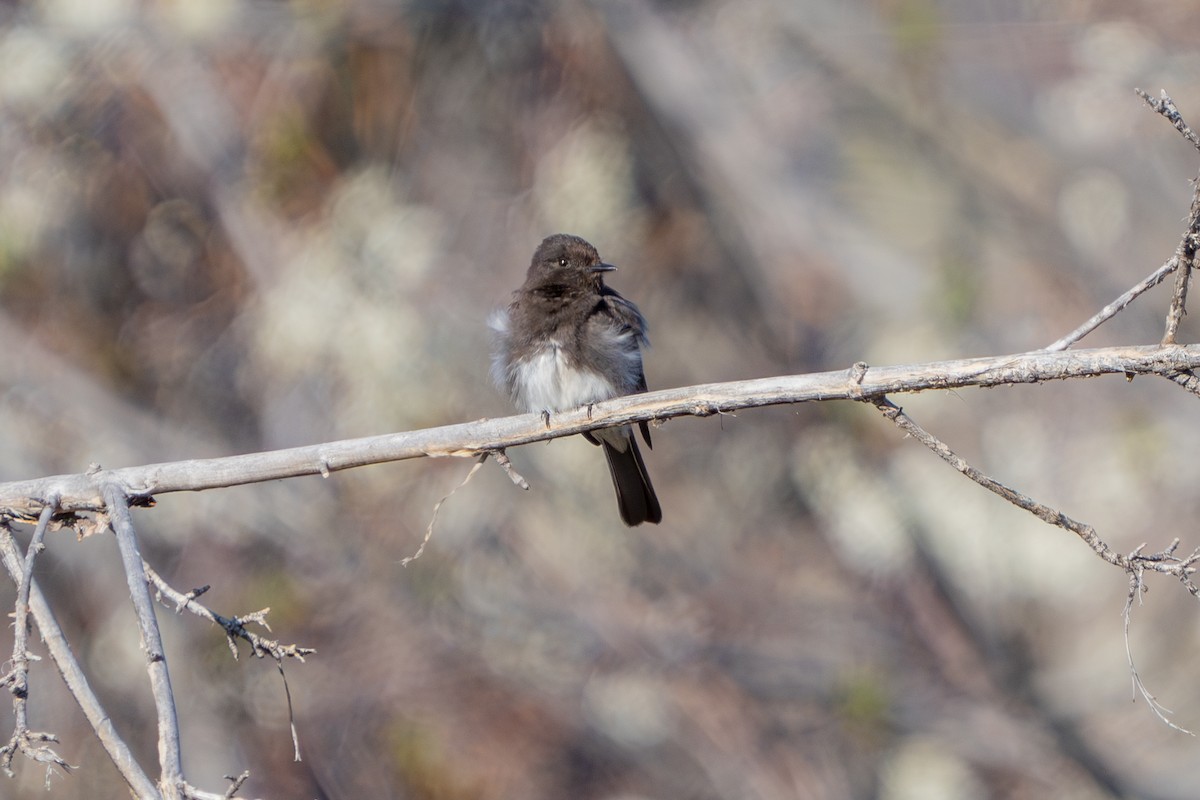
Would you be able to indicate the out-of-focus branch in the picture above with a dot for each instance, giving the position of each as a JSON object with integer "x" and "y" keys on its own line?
{"x": 82, "y": 492}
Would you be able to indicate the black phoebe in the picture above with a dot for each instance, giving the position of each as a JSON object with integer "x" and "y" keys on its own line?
{"x": 568, "y": 340}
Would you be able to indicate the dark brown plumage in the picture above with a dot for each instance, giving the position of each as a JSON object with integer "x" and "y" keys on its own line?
{"x": 568, "y": 340}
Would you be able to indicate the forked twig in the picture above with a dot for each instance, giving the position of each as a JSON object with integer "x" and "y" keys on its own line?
{"x": 235, "y": 628}
{"x": 1135, "y": 564}
{"x": 1184, "y": 255}
{"x": 1136, "y": 588}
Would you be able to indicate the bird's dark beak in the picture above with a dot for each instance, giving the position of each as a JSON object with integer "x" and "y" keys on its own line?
{"x": 602, "y": 268}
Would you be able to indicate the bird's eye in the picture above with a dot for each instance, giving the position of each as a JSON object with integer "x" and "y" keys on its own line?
{"x": 562, "y": 261}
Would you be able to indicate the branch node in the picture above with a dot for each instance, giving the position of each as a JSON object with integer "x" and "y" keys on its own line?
{"x": 857, "y": 372}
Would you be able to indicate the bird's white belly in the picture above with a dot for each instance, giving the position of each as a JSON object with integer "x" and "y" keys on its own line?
{"x": 548, "y": 381}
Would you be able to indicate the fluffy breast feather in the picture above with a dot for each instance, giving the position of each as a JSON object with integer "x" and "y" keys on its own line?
{"x": 549, "y": 379}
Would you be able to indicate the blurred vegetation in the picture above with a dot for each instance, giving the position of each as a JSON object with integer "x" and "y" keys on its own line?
{"x": 237, "y": 225}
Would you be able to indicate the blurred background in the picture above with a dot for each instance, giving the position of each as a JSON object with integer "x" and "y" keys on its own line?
{"x": 236, "y": 225}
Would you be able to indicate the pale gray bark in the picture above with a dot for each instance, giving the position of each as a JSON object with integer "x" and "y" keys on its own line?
{"x": 82, "y": 491}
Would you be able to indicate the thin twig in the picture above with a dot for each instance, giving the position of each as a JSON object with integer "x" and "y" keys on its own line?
{"x": 1116, "y": 306}
{"x": 1185, "y": 254}
{"x": 1164, "y": 105}
{"x": 1185, "y": 258}
{"x": 1135, "y": 564}
{"x": 29, "y": 743}
{"x": 235, "y": 628}
{"x": 192, "y": 793}
{"x": 1164, "y": 562}
{"x": 1039, "y": 510}
{"x": 1136, "y": 589}
{"x": 170, "y": 758}
{"x": 75, "y": 678}
{"x": 18, "y": 679}
{"x": 36, "y": 545}
{"x": 287, "y": 692}
{"x": 236, "y": 783}
{"x": 404, "y": 562}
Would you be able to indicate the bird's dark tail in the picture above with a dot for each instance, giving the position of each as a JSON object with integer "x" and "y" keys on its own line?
{"x": 635, "y": 494}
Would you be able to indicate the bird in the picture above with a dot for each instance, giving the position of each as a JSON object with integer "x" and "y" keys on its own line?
{"x": 568, "y": 340}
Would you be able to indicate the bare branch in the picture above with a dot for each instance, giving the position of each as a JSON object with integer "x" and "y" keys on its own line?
{"x": 1135, "y": 564}
{"x": 1178, "y": 309}
{"x": 1042, "y": 512}
{"x": 1137, "y": 587}
{"x": 1164, "y": 105}
{"x": 31, "y": 744}
{"x": 169, "y": 756}
{"x": 1185, "y": 254}
{"x": 74, "y": 677}
{"x": 81, "y": 492}
{"x": 1165, "y": 562}
{"x": 234, "y": 627}
{"x": 1116, "y": 306}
